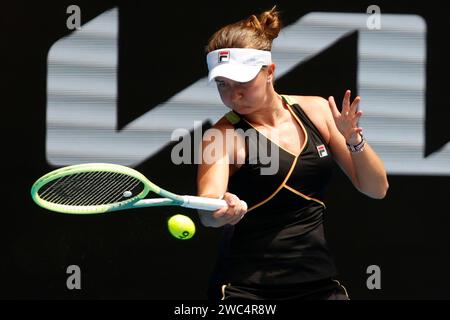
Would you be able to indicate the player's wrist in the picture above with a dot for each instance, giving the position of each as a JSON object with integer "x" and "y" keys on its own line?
{"x": 358, "y": 145}
{"x": 354, "y": 139}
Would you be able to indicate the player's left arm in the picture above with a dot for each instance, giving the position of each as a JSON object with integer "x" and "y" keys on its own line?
{"x": 365, "y": 169}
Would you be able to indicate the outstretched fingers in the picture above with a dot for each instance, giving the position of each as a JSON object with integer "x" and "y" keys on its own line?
{"x": 333, "y": 107}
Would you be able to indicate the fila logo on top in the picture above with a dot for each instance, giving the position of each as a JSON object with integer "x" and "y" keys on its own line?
{"x": 224, "y": 56}
{"x": 322, "y": 151}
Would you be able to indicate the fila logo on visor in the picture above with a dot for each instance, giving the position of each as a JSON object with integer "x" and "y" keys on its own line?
{"x": 224, "y": 56}
{"x": 322, "y": 151}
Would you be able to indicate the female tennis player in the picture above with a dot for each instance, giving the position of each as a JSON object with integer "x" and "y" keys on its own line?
{"x": 275, "y": 248}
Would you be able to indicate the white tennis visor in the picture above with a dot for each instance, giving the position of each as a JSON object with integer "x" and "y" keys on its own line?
{"x": 238, "y": 64}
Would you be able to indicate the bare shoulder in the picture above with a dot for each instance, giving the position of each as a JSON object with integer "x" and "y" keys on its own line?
{"x": 318, "y": 110}
{"x": 216, "y": 134}
{"x": 312, "y": 104}
{"x": 223, "y": 124}
{"x": 234, "y": 148}
{"x": 223, "y": 127}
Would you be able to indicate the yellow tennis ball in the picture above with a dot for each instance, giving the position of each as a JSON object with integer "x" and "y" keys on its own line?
{"x": 181, "y": 227}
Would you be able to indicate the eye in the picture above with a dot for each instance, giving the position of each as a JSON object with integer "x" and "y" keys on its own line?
{"x": 220, "y": 84}
{"x": 245, "y": 84}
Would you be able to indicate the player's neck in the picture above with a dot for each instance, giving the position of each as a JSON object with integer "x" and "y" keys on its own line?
{"x": 271, "y": 114}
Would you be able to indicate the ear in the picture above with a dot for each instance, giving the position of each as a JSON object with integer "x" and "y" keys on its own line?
{"x": 271, "y": 71}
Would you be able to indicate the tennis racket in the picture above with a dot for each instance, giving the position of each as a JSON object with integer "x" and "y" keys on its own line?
{"x": 103, "y": 187}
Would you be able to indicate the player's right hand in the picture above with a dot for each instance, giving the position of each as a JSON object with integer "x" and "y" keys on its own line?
{"x": 233, "y": 213}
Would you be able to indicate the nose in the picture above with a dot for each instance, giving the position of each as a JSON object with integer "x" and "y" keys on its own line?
{"x": 236, "y": 94}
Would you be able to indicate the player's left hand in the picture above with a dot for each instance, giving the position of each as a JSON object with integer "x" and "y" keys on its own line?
{"x": 347, "y": 120}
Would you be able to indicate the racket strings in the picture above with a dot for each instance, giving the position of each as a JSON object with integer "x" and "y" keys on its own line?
{"x": 91, "y": 188}
{"x": 106, "y": 192}
{"x": 58, "y": 194}
{"x": 101, "y": 190}
{"x": 57, "y": 191}
{"x": 131, "y": 186}
{"x": 47, "y": 192}
{"x": 63, "y": 190}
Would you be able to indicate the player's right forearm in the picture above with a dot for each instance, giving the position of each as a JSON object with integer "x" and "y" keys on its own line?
{"x": 206, "y": 217}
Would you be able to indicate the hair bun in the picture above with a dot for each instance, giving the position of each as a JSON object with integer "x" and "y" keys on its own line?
{"x": 268, "y": 23}
{"x": 271, "y": 23}
{"x": 255, "y": 32}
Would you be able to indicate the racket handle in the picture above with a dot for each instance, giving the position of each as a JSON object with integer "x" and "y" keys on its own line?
{"x": 202, "y": 203}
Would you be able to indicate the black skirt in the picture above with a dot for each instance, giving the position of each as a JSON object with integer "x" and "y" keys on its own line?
{"x": 326, "y": 289}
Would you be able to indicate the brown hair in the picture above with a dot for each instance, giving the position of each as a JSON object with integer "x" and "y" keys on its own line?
{"x": 253, "y": 32}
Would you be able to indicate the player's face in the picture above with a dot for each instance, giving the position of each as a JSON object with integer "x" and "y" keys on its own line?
{"x": 244, "y": 97}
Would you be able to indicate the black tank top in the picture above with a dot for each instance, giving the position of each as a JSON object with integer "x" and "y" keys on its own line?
{"x": 281, "y": 238}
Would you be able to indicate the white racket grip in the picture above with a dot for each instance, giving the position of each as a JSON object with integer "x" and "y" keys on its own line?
{"x": 202, "y": 203}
